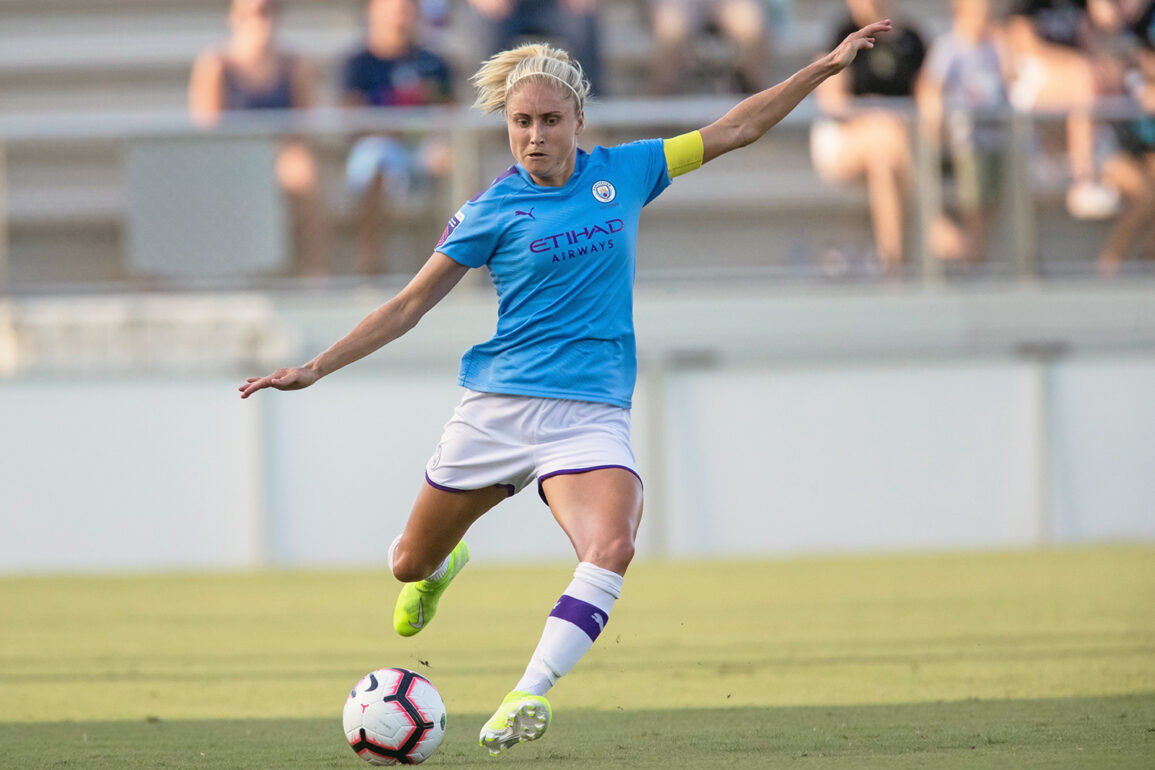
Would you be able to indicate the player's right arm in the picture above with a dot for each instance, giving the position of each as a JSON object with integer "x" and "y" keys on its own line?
{"x": 382, "y": 326}
{"x": 757, "y": 114}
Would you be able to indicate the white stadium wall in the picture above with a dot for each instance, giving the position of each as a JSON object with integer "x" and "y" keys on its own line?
{"x": 773, "y": 425}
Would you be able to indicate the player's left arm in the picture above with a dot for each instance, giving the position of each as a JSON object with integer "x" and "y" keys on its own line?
{"x": 755, "y": 115}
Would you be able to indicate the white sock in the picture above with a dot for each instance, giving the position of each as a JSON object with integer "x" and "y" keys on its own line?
{"x": 437, "y": 574}
{"x": 572, "y": 626}
{"x": 393, "y": 552}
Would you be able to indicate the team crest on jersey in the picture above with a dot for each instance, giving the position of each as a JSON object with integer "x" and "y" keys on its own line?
{"x": 604, "y": 192}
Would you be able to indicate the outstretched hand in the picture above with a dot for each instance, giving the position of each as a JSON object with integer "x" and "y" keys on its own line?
{"x": 844, "y": 54}
{"x": 293, "y": 378}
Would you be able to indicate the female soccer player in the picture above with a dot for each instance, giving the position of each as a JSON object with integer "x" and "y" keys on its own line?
{"x": 548, "y": 397}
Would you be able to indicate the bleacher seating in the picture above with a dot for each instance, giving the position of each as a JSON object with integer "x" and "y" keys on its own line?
{"x": 66, "y": 201}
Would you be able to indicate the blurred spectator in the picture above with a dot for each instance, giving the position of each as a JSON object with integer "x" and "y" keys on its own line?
{"x": 251, "y": 72}
{"x": 1132, "y": 171}
{"x": 677, "y": 23}
{"x": 392, "y": 69}
{"x": 859, "y": 138}
{"x": 1109, "y": 42}
{"x": 961, "y": 87}
{"x": 572, "y": 24}
{"x": 1054, "y": 72}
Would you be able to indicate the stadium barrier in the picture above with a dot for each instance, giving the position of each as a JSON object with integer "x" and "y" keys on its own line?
{"x": 768, "y": 420}
{"x": 81, "y": 189}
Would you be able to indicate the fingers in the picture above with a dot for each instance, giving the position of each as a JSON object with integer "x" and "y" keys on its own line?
{"x": 870, "y": 30}
{"x": 282, "y": 379}
{"x": 253, "y": 384}
{"x": 865, "y": 36}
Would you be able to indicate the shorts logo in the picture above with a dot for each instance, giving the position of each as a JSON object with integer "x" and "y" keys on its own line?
{"x": 604, "y": 192}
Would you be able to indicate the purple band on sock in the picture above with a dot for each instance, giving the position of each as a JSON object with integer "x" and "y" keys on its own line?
{"x": 584, "y": 615}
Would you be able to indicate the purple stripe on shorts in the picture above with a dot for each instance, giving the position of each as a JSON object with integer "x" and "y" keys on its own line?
{"x": 584, "y": 615}
{"x": 509, "y": 490}
{"x": 570, "y": 471}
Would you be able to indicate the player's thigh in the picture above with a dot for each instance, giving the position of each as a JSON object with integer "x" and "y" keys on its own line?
{"x": 600, "y": 511}
{"x": 438, "y": 521}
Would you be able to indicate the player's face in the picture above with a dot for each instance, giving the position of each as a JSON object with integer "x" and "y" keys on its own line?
{"x": 543, "y": 125}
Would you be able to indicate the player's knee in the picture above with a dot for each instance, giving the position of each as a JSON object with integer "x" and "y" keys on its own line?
{"x": 614, "y": 555}
{"x": 408, "y": 569}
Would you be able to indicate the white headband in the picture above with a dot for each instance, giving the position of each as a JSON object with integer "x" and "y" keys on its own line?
{"x": 509, "y": 86}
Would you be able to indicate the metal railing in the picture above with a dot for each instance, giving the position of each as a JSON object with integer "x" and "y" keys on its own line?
{"x": 477, "y": 141}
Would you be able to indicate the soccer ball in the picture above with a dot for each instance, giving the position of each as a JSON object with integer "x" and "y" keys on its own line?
{"x": 394, "y": 716}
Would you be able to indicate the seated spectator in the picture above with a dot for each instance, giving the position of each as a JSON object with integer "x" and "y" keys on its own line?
{"x": 860, "y": 139}
{"x": 959, "y": 91}
{"x": 573, "y": 24}
{"x": 391, "y": 70}
{"x": 676, "y": 23}
{"x": 1132, "y": 171}
{"x": 1055, "y": 73}
{"x": 1109, "y": 42}
{"x": 251, "y": 72}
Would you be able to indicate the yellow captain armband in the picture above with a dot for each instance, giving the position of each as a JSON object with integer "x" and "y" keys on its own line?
{"x": 684, "y": 153}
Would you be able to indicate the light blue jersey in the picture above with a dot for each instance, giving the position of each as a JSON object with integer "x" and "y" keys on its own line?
{"x": 562, "y": 260}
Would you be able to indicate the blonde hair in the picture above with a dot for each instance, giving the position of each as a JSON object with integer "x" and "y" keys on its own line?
{"x": 533, "y": 62}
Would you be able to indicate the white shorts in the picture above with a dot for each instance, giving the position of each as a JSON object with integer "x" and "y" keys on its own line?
{"x": 508, "y": 441}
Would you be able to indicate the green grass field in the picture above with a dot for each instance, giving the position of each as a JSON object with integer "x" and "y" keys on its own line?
{"x": 1013, "y": 659}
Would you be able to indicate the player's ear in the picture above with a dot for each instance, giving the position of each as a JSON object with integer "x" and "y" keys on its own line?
{"x": 581, "y": 122}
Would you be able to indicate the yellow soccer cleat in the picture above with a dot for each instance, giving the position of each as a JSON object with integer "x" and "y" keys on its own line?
{"x": 521, "y": 717}
{"x": 417, "y": 603}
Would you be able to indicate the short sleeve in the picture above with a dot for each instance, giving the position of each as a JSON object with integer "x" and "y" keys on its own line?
{"x": 470, "y": 237}
{"x": 648, "y": 158}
